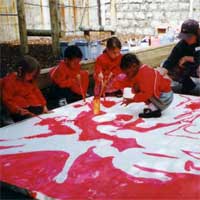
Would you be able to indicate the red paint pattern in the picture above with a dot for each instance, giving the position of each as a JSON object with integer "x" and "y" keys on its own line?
{"x": 7, "y": 147}
{"x": 77, "y": 105}
{"x": 134, "y": 126}
{"x": 93, "y": 177}
{"x": 193, "y": 106}
{"x": 190, "y": 165}
{"x": 55, "y": 126}
{"x": 89, "y": 131}
{"x": 108, "y": 104}
{"x": 159, "y": 155}
{"x": 124, "y": 117}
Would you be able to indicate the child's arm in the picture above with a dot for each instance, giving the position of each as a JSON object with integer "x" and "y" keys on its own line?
{"x": 39, "y": 96}
{"x": 98, "y": 72}
{"x": 8, "y": 91}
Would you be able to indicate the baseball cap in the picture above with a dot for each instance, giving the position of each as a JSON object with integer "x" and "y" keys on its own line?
{"x": 188, "y": 28}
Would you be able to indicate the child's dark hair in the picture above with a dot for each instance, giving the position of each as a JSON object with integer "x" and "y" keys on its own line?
{"x": 113, "y": 43}
{"x": 27, "y": 64}
{"x": 128, "y": 60}
{"x": 73, "y": 52}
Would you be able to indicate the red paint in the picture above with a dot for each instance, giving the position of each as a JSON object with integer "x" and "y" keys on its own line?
{"x": 188, "y": 99}
{"x": 183, "y": 115}
{"x": 108, "y": 104}
{"x": 192, "y": 154}
{"x": 89, "y": 131}
{"x": 135, "y": 125}
{"x": 7, "y": 147}
{"x": 55, "y": 127}
{"x": 124, "y": 117}
{"x": 159, "y": 155}
{"x": 77, "y": 105}
{"x": 93, "y": 177}
{"x": 189, "y": 165}
{"x": 123, "y": 144}
{"x": 193, "y": 106}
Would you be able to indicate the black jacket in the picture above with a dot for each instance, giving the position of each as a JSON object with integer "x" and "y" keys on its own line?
{"x": 197, "y": 54}
{"x": 180, "y": 50}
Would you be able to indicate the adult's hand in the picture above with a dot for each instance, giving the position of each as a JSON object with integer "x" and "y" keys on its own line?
{"x": 185, "y": 59}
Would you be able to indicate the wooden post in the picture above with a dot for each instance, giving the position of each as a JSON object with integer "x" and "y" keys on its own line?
{"x": 99, "y": 12}
{"x": 22, "y": 27}
{"x": 113, "y": 13}
{"x": 55, "y": 28}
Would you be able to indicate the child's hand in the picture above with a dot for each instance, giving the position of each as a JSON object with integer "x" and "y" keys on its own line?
{"x": 127, "y": 101}
{"x": 100, "y": 76}
{"x": 78, "y": 76}
{"x": 45, "y": 109}
{"x": 24, "y": 112}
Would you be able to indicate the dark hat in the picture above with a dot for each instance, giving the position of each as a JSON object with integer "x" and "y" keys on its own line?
{"x": 189, "y": 27}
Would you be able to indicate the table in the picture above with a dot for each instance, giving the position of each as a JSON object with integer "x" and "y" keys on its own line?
{"x": 73, "y": 154}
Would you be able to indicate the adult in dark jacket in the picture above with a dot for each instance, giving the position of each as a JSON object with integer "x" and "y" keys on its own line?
{"x": 184, "y": 59}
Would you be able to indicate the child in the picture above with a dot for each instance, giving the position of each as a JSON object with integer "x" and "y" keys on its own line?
{"x": 149, "y": 86}
{"x": 20, "y": 93}
{"x": 69, "y": 80}
{"x": 107, "y": 72}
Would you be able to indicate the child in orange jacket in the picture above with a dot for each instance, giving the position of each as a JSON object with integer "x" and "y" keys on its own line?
{"x": 20, "y": 93}
{"x": 148, "y": 85}
{"x": 107, "y": 73}
{"x": 69, "y": 80}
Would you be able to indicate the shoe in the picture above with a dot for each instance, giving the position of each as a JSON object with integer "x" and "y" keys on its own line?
{"x": 148, "y": 113}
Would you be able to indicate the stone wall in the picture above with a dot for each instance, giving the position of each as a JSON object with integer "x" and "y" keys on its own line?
{"x": 145, "y": 16}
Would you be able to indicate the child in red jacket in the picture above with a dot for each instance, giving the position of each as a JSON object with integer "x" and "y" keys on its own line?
{"x": 149, "y": 86}
{"x": 20, "y": 93}
{"x": 69, "y": 80}
{"x": 107, "y": 72}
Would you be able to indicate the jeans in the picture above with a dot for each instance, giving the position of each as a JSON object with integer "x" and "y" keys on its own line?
{"x": 164, "y": 101}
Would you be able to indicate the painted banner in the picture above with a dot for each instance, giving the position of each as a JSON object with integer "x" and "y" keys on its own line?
{"x": 74, "y": 154}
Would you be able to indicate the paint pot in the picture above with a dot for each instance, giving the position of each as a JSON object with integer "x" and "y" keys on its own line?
{"x": 127, "y": 93}
{"x": 96, "y": 106}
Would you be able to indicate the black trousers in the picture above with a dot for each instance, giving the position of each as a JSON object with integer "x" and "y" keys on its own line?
{"x": 182, "y": 75}
{"x": 59, "y": 93}
{"x": 37, "y": 110}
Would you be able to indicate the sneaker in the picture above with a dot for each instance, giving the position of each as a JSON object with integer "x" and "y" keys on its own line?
{"x": 148, "y": 113}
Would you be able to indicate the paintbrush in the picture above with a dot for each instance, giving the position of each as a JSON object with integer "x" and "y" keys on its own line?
{"x": 104, "y": 85}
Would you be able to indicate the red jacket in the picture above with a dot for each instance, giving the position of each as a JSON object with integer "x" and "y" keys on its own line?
{"x": 106, "y": 65}
{"x": 65, "y": 77}
{"x": 150, "y": 83}
{"x": 19, "y": 94}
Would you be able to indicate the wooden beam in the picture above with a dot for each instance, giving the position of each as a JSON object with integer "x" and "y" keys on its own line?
{"x": 55, "y": 28}
{"x": 31, "y": 32}
{"x": 22, "y": 27}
